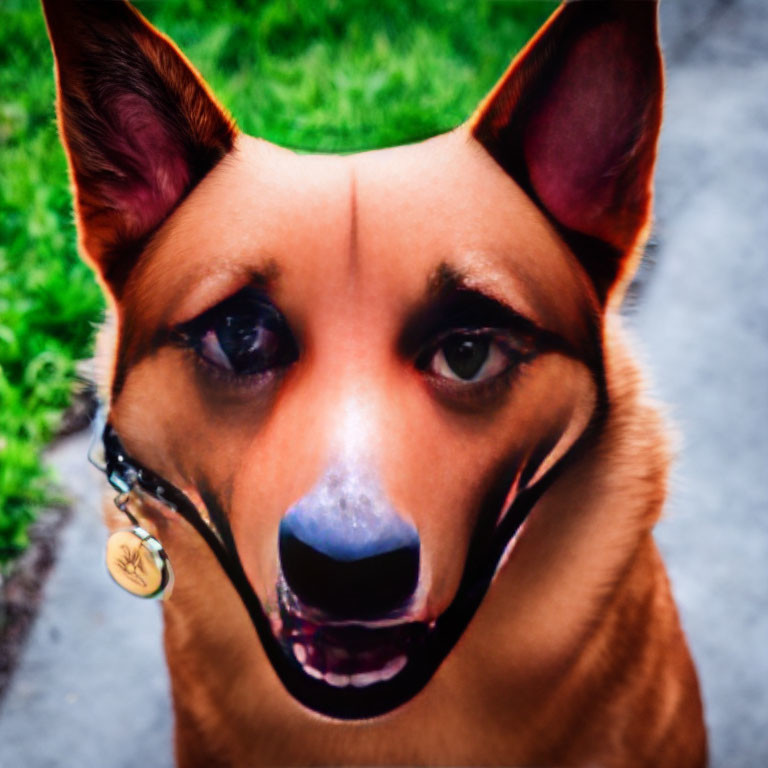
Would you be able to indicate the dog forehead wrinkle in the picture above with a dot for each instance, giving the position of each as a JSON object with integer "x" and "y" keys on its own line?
{"x": 348, "y": 515}
{"x": 354, "y": 251}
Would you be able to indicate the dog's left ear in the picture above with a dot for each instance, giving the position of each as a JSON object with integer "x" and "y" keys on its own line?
{"x": 575, "y": 121}
{"x": 138, "y": 124}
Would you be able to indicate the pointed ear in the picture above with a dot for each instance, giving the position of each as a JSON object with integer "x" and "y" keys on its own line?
{"x": 139, "y": 127}
{"x": 575, "y": 122}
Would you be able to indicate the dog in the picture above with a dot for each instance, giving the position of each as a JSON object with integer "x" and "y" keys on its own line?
{"x": 380, "y": 412}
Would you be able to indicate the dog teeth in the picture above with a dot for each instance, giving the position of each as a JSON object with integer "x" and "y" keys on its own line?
{"x": 300, "y": 652}
{"x": 391, "y": 668}
{"x": 387, "y": 672}
{"x": 357, "y": 680}
{"x": 312, "y": 672}
{"x": 364, "y": 679}
{"x": 338, "y": 681}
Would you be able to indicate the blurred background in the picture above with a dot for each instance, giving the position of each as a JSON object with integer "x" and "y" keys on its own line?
{"x": 87, "y": 683}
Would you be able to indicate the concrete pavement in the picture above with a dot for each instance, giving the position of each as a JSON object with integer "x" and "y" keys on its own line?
{"x": 92, "y": 688}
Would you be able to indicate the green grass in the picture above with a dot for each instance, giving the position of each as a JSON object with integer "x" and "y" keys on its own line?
{"x": 316, "y": 75}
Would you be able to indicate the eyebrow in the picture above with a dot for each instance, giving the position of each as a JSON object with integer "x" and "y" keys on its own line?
{"x": 453, "y": 299}
{"x": 240, "y": 276}
{"x": 443, "y": 278}
{"x": 446, "y": 281}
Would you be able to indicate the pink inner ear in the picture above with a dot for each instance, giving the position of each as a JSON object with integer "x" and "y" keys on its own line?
{"x": 157, "y": 171}
{"x": 580, "y": 140}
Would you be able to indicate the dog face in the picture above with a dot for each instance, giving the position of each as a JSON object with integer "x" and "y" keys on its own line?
{"x": 357, "y": 365}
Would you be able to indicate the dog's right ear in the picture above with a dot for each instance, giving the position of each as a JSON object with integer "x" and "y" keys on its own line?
{"x": 138, "y": 124}
{"x": 575, "y": 121}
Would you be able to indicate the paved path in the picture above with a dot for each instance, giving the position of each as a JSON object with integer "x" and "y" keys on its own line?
{"x": 92, "y": 690}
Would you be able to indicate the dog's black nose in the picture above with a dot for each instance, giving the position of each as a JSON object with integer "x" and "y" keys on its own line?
{"x": 345, "y": 551}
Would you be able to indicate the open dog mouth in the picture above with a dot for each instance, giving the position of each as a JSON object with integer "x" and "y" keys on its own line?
{"x": 345, "y": 654}
{"x": 362, "y": 667}
{"x": 358, "y": 669}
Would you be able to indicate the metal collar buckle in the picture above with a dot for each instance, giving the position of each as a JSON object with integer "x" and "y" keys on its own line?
{"x": 135, "y": 559}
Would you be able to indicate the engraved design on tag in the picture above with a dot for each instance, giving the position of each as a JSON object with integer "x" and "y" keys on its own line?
{"x": 130, "y": 563}
{"x": 137, "y": 562}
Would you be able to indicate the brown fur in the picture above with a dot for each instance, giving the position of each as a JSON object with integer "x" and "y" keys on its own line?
{"x": 576, "y": 656}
